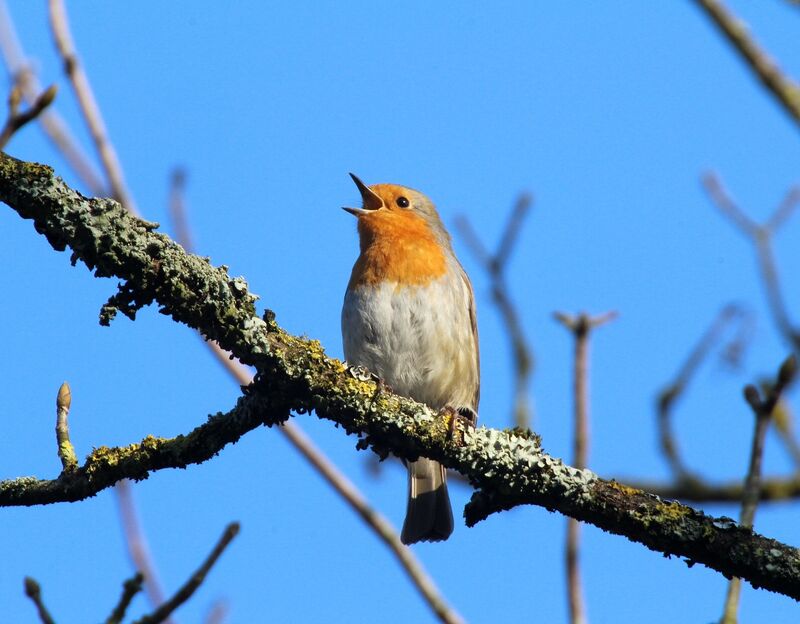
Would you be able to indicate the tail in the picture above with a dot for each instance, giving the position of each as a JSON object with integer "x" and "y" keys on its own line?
{"x": 429, "y": 517}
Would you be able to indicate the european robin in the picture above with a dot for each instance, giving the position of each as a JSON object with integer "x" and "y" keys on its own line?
{"x": 409, "y": 318}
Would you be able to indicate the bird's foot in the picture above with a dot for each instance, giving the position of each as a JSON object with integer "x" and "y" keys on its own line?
{"x": 458, "y": 421}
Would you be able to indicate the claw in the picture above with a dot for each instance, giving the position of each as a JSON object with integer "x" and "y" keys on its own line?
{"x": 458, "y": 420}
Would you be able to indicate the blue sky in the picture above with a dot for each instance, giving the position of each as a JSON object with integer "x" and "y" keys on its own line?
{"x": 608, "y": 113}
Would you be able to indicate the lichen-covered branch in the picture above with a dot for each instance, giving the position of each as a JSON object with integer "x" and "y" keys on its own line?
{"x": 294, "y": 374}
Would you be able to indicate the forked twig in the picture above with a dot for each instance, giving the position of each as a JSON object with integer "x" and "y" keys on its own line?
{"x": 763, "y": 408}
{"x": 20, "y": 70}
{"x": 495, "y": 265}
{"x": 581, "y": 327}
{"x": 16, "y": 118}
{"x": 761, "y": 237}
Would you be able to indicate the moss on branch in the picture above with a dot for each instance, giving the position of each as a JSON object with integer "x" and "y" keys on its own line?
{"x": 507, "y": 468}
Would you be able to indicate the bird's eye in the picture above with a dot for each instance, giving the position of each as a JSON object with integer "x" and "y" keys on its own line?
{"x": 402, "y": 202}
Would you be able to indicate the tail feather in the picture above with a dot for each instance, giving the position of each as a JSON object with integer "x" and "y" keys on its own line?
{"x": 429, "y": 517}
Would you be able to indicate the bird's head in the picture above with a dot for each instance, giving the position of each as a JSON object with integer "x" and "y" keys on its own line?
{"x": 392, "y": 206}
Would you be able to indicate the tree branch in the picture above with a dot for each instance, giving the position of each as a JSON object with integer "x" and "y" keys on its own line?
{"x": 294, "y": 374}
{"x": 785, "y": 90}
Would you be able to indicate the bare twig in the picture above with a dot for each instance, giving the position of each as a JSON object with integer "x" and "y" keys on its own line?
{"x": 580, "y": 326}
{"x": 785, "y": 90}
{"x": 34, "y": 592}
{"x": 16, "y": 118}
{"x": 135, "y": 539}
{"x": 761, "y": 238}
{"x": 495, "y": 266}
{"x": 130, "y": 588}
{"x": 66, "y": 452}
{"x": 323, "y": 465}
{"x": 19, "y": 69}
{"x": 669, "y": 395}
{"x": 701, "y": 491}
{"x": 762, "y": 409}
{"x": 88, "y": 104}
{"x": 186, "y": 591}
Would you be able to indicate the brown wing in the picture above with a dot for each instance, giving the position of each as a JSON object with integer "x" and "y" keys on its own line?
{"x": 473, "y": 318}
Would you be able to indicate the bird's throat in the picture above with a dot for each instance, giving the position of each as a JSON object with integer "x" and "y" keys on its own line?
{"x": 397, "y": 248}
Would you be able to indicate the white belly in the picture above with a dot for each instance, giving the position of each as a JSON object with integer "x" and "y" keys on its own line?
{"x": 418, "y": 340}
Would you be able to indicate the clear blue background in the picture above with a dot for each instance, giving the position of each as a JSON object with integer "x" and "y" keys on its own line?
{"x": 607, "y": 112}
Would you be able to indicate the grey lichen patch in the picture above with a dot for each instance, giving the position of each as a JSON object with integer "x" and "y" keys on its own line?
{"x": 517, "y": 466}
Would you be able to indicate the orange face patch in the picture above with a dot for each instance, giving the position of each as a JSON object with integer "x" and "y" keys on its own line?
{"x": 397, "y": 246}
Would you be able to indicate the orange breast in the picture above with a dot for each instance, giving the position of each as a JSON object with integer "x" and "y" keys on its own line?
{"x": 397, "y": 247}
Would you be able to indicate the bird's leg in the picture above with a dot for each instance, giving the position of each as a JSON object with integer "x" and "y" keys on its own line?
{"x": 468, "y": 414}
{"x": 458, "y": 420}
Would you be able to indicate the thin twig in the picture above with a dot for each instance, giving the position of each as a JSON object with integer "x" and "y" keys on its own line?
{"x": 136, "y": 541}
{"x": 88, "y": 105}
{"x": 785, "y": 90}
{"x": 66, "y": 452}
{"x": 16, "y": 118}
{"x": 669, "y": 395}
{"x": 700, "y": 491}
{"x": 762, "y": 410}
{"x": 495, "y": 266}
{"x": 784, "y": 210}
{"x": 323, "y": 465}
{"x": 34, "y": 592}
{"x": 130, "y": 588}
{"x": 761, "y": 238}
{"x": 581, "y": 326}
{"x": 21, "y": 72}
{"x": 188, "y": 588}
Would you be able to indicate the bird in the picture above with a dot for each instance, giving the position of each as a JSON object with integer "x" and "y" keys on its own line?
{"x": 409, "y": 318}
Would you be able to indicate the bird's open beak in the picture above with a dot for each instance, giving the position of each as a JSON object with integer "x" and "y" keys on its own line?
{"x": 371, "y": 199}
